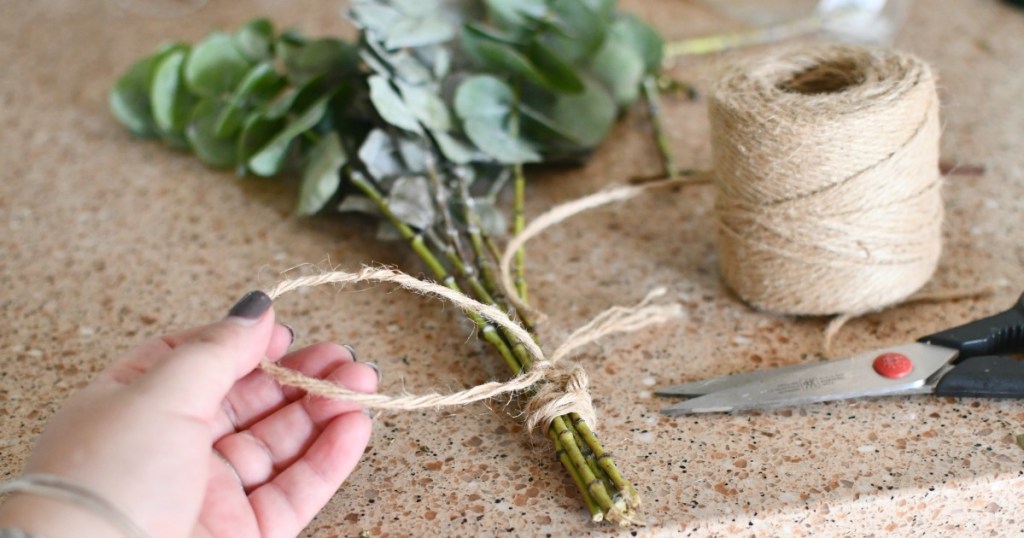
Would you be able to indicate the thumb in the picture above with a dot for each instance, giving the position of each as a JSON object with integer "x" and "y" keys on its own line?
{"x": 199, "y": 371}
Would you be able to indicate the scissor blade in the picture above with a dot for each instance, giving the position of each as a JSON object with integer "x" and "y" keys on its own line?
{"x": 715, "y": 384}
{"x": 834, "y": 380}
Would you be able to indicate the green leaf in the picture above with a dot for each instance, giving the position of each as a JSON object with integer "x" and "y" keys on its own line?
{"x": 416, "y": 8}
{"x": 419, "y": 32}
{"x": 374, "y": 16}
{"x": 202, "y": 137}
{"x": 270, "y": 159}
{"x": 603, "y": 8}
{"x": 257, "y": 131}
{"x": 129, "y": 98}
{"x": 533, "y": 61}
{"x": 282, "y": 104}
{"x": 620, "y": 66}
{"x": 515, "y": 14}
{"x": 390, "y": 105}
{"x": 379, "y": 154}
{"x": 498, "y": 142}
{"x": 171, "y": 103}
{"x": 586, "y": 117}
{"x": 255, "y": 40}
{"x": 260, "y": 85}
{"x": 320, "y": 177}
{"x": 426, "y": 106}
{"x": 558, "y": 75}
{"x": 582, "y": 30}
{"x": 483, "y": 96}
{"x": 331, "y": 58}
{"x": 491, "y": 219}
{"x": 454, "y": 149}
{"x": 215, "y": 66}
{"x": 410, "y": 200}
{"x": 642, "y": 38}
{"x": 484, "y": 103}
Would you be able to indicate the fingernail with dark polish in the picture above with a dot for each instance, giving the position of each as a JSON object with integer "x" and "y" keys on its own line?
{"x": 291, "y": 331}
{"x": 351, "y": 351}
{"x": 375, "y": 369}
{"x": 369, "y": 412}
{"x": 251, "y": 307}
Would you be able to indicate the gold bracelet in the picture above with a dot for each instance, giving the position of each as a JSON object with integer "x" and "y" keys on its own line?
{"x": 57, "y": 487}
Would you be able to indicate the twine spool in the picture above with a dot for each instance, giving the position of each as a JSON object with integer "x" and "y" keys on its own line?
{"x": 828, "y": 186}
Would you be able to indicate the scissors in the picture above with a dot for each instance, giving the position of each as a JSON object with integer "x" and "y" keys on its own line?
{"x": 966, "y": 360}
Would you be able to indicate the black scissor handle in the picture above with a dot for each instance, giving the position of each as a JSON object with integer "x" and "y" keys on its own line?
{"x": 999, "y": 333}
{"x": 990, "y": 376}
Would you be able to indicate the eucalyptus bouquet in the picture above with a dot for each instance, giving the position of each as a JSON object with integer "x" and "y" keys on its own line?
{"x": 420, "y": 122}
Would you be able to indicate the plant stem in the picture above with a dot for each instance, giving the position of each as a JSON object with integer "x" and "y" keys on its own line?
{"x": 604, "y": 461}
{"x": 650, "y": 86}
{"x": 519, "y": 222}
{"x": 732, "y": 40}
{"x": 487, "y": 330}
{"x": 597, "y": 483}
{"x": 589, "y": 474}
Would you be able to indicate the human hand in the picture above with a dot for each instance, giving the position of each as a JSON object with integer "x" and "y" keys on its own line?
{"x": 187, "y": 438}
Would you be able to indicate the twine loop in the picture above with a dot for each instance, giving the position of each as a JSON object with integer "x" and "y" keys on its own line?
{"x": 561, "y": 387}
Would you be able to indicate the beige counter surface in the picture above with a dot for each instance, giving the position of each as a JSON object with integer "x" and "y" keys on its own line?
{"x": 105, "y": 240}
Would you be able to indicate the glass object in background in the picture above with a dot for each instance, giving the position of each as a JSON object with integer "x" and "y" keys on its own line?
{"x": 852, "y": 21}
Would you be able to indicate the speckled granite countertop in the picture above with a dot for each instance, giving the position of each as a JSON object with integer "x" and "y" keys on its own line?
{"x": 104, "y": 240}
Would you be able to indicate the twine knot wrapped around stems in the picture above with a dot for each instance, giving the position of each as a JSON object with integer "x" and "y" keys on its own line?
{"x": 560, "y": 386}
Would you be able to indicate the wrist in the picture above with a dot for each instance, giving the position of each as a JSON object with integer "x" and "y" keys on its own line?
{"x": 57, "y": 507}
{"x": 51, "y": 518}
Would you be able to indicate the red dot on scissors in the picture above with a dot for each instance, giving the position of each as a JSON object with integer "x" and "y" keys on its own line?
{"x": 892, "y": 365}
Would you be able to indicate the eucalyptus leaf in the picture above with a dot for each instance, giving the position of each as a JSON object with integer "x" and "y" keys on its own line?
{"x": 414, "y": 155}
{"x": 558, "y": 75}
{"x": 515, "y": 14}
{"x": 375, "y": 16}
{"x": 320, "y": 177}
{"x": 642, "y": 38}
{"x": 419, "y": 31}
{"x": 327, "y": 57}
{"x": 620, "y": 66}
{"x": 215, "y": 66}
{"x": 426, "y": 106}
{"x": 496, "y": 141}
{"x": 585, "y": 117}
{"x": 491, "y": 219}
{"x": 202, "y": 136}
{"x": 282, "y": 104}
{"x": 129, "y": 99}
{"x": 454, "y": 149}
{"x": 496, "y": 55}
{"x": 257, "y": 131}
{"x": 380, "y": 156}
{"x": 170, "y": 102}
{"x": 387, "y": 232}
{"x": 358, "y": 204}
{"x": 483, "y": 96}
{"x": 390, "y": 105}
{"x": 260, "y": 85}
{"x": 255, "y": 40}
{"x": 602, "y": 8}
{"x": 442, "y": 61}
{"x": 270, "y": 159}
{"x": 410, "y": 200}
{"x": 417, "y": 8}
{"x": 583, "y": 30}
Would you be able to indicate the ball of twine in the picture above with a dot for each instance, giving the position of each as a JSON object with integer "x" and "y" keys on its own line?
{"x": 828, "y": 186}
